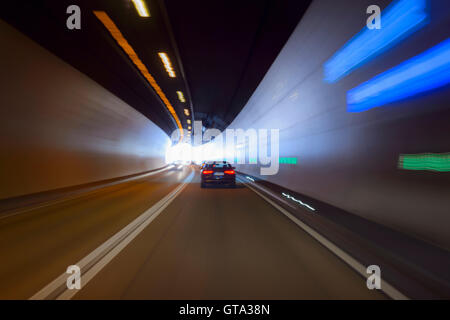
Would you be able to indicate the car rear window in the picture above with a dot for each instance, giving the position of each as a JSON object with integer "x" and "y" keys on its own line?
{"x": 218, "y": 165}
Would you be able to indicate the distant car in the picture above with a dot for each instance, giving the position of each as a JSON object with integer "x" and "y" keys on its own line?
{"x": 178, "y": 165}
{"x": 218, "y": 173}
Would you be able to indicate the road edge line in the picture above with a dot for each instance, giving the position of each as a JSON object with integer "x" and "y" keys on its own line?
{"x": 387, "y": 288}
{"x": 45, "y": 204}
{"x": 57, "y": 289}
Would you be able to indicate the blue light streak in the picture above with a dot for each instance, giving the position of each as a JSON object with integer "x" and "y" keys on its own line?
{"x": 398, "y": 20}
{"x": 422, "y": 73}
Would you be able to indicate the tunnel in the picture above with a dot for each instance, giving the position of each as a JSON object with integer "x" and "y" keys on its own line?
{"x": 225, "y": 150}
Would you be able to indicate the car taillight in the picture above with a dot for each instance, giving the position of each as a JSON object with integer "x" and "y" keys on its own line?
{"x": 229, "y": 171}
{"x": 207, "y": 171}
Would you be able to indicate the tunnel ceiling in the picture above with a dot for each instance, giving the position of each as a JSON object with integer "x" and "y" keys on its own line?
{"x": 227, "y": 47}
{"x": 220, "y": 50}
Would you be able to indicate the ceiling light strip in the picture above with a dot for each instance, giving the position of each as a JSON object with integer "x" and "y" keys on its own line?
{"x": 141, "y": 8}
{"x": 167, "y": 64}
{"x": 123, "y": 43}
{"x": 181, "y": 96}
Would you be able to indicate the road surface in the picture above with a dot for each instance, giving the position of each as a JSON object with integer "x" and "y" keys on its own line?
{"x": 213, "y": 243}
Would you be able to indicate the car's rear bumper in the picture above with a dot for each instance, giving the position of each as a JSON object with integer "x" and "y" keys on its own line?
{"x": 219, "y": 181}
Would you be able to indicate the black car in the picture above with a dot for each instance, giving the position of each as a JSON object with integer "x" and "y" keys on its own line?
{"x": 218, "y": 173}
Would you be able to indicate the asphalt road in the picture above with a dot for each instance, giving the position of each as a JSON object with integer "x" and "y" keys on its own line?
{"x": 38, "y": 245}
{"x": 212, "y": 243}
{"x": 221, "y": 243}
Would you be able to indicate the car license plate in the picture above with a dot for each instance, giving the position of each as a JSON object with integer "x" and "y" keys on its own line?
{"x": 218, "y": 174}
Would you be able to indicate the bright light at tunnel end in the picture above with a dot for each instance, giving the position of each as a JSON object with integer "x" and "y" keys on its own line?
{"x": 256, "y": 147}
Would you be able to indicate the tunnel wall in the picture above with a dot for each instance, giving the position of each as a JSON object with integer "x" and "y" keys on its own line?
{"x": 59, "y": 128}
{"x": 350, "y": 160}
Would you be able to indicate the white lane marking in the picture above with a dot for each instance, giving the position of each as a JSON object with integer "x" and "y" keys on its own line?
{"x": 77, "y": 195}
{"x": 100, "y": 257}
{"x": 386, "y": 287}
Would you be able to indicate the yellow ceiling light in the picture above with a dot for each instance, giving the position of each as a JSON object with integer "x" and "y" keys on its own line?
{"x": 167, "y": 64}
{"x": 181, "y": 96}
{"x": 123, "y": 43}
{"x": 188, "y": 121}
{"x": 186, "y": 112}
{"x": 141, "y": 8}
{"x": 189, "y": 128}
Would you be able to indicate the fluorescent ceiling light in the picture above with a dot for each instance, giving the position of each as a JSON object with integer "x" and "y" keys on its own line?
{"x": 167, "y": 64}
{"x": 141, "y": 8}
{"x": 181, "y": 96}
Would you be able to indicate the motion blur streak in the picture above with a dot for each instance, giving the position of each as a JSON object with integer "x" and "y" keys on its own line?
{"x": 287, "y": 160}
{"x": 422, "y": 73}
{"x": 399, "y": 20}
{"x": 425, "y": 161}
{"x": 298, "y": 201}
{"x": 123, "y": 43}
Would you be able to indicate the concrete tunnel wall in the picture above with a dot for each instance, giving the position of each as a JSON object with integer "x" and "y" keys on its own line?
{"x": 59, "y": 128}
{"x": 350, "y": 160}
